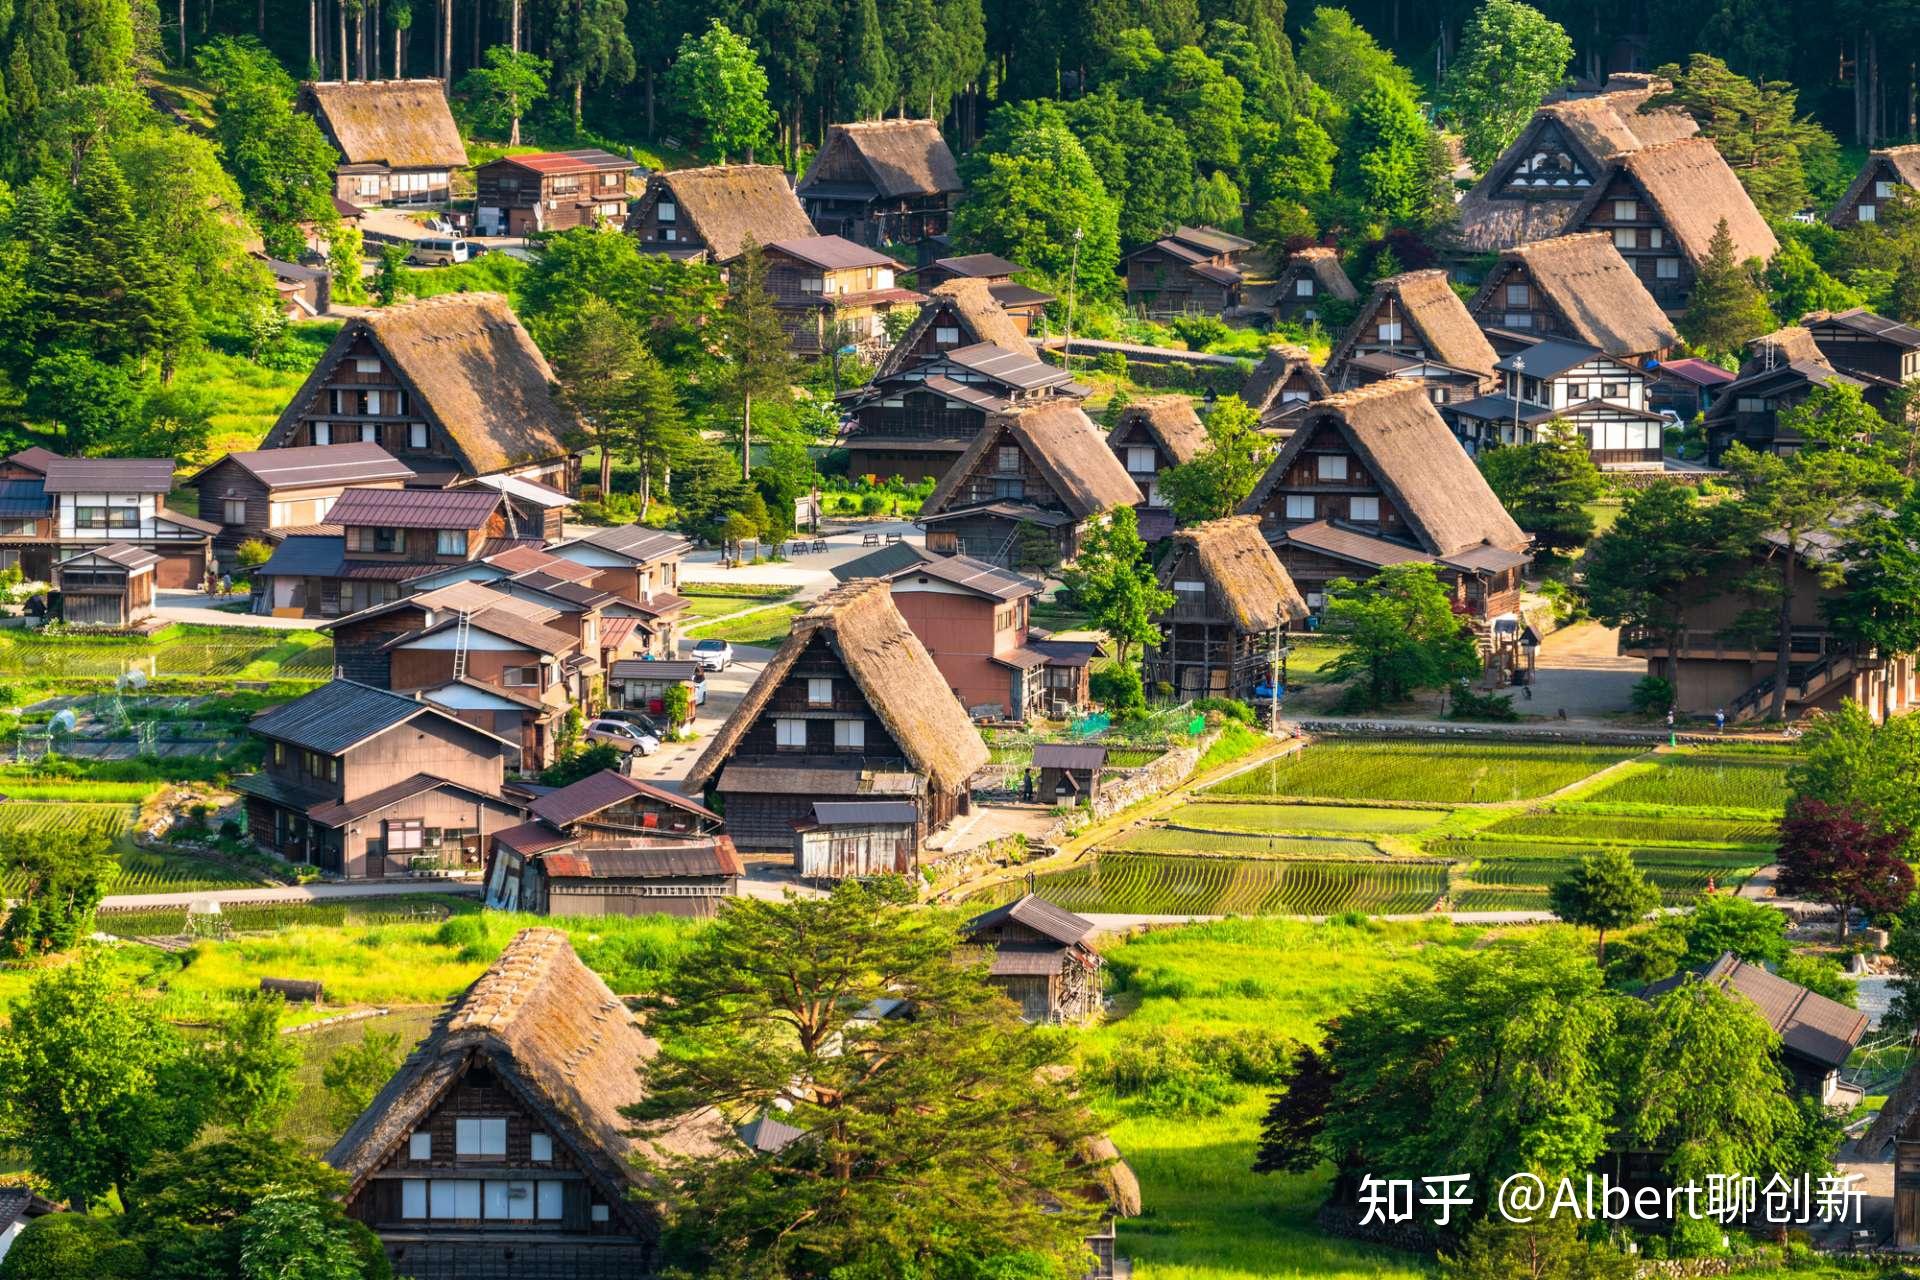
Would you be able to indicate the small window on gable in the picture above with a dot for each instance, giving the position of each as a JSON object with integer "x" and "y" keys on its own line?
{"x": 366, "y": 364}
{"x": 1667, "y": 268}
{"x": 1867, "y": 213}
{"x": 599, "y": 1213}
{"x": 1363, "y": 510}
{"x": 1140, "y": 458}
{"x": 1626, "y": 238}
{"x": 1008, "y": 458}
{"x": 820, "y": 692}
{"x": 480, "y": 1136}
{"x": 1390, "y": 331}
{"x": 946, "y": 335}
{"x": 542, "y": 1147}
{"x": 1331, "y": 466}
{"x": 790, "y": 735}
{"x": 1188, "y": 587}
{"x": 1303, "y": 287}
{"x": 413, "y": 1198}
{"x": 1300, "y": 506}
{"x": 849, "y": 735}
{"x": 420, "y": 1145}
{"x": 1516, "y": 295}
{"x": 1883, "y": 190}
{"x": 1626, "y": 211}
{"x": 416, "y": 435}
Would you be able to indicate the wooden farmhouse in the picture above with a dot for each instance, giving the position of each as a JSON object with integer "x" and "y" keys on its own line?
{"x": 606, "y": 624}
{"x": 642, "y": 567}
{"x": 1886, "y": 171}
{"x": 1154, "y": 434}
{"x": 1603, "y": 399}
{"x": 304, "y": 292}
{"x": 832, "y": 293}
{"x": 497, "y": 668}
{"x": 110, "y": 586}
{"x": 1192, "y": 271}
{"x": 917, "y": 421}
{"x": 1026, "y": 488}
{"x": 847, "y": 839}
{"x": 53, "y": 507}
{"x": 1817, "y": 1035}
{"x": 1020, "y": 302}
{"x": 359, "y": 782}
{"x": 847, "y": 709}
{"x": 882, "y": 182}
{"x": 610, "y": 845}
{"x": 1661, "y": 205}
{"x": 1415, "y": 316}
{"x": 1284, "y": 382}
{"x": 499, "y": 1148}
{"x": 452, "y": 386}
{"x": 1041, "y": 959}
{"x": 1440, "y": 382}
{"x": 1069, "y": 772}
{"x": 1781, "y": 370}
{"x": 641, "y": 684}
{"x": 960, "y": 312}
{"x": 975, "y": 621}
{"x": 256, "y": 495}
{"x": 397, "y": 140}
{"x": 1571, "y": 147}
{"x": 1866, "y": 345}
{"x": 1576, "y": 288}
{"x": 1312, "y": 280}
{"x": 716, "y": 212}
{"x": 1233, "y": 604}
{"x": 551, "y": 191}
{"x": 1371, "y": 478}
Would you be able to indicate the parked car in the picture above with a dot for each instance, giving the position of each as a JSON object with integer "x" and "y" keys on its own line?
{"x": 439, "y": 251}
{"x": 713, "y": 655}
{"x": 638, "y": 719}
{"x": 622, "y": 736}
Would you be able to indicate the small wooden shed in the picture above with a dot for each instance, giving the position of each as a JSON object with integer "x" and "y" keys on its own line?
{"x": 1040, "y": 958}
{"x": 844, "y": 839}
{"x": 1069, "y": 771}
{"x": 110, "y": 586}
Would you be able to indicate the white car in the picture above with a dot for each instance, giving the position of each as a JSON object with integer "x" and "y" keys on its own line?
{"x": 714, "y": 655}
{"x": 439, "y": 251}
{"x": 622, "y": 736}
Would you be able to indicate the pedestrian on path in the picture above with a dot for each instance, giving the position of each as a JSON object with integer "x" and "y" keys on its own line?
{"x": 1720, "y": 720}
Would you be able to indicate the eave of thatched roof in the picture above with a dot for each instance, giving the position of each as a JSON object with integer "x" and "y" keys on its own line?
{"x": 1268, "y": 378}
{"x": 1426, "y": 305}
{"x": 1170, "y": 420}
{"x": 731, "y": 204}
{"x": 1595, "y": 292}
{"x": 1406, "y": 447}
{"x": 1692, "y": 189}
{"x": 1901, "y": 163}
{"x": 1247, "y": 578}
{"x": 894, "y": 673}
{"x": 898, "y": 157}
{"x": 981, "y": 317}
{"x": 403, "y": 124}
{"x": 1062, "y": 441}
{"x": 1322, "y": 264}
{"x": 470, "y": 369}
{"x": 557, "y": 1039}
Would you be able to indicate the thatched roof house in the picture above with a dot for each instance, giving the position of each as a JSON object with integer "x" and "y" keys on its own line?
{"x": 717, "y": 210}
{"x": 397, "y": 124}
{"x": 1285, "y": 379}
{"x": 1885, "y": 172}
{"x": 1243, "y": 576}
{"x": 1082, "y": 476}
{"x": 543, "y": 1048}
{"x": 468, "y": 374}
{"x": 1231, "y": 599}
{"x": 1168, "y": 421}
{"x": 959, "y": 312}
{"x": 1312, "y": 278}
{"x": 1417, "y": 314}
{"x": 1579, "y": 287}
{"x": 1691, "y": 189}
{"x": 1569, "y": 148}
{"x": 882, "y": 182}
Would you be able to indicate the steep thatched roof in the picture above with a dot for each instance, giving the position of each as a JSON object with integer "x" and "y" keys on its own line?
{"x": 894, "y": 672}
{"x": 1117, "y": 1183}
{"x": 1791, "y": 344}
{"x": 730, "y": 204}
{"x": 1692, "y": 189}
{"x": 470, "y": 368}
{"x": 403, "y": 124}
{"x": 557, "y": 1039}
{"x": 1406, "y": 447}
{"x": 1246, "y": 576}
{"x": 981, "y": 317}
{"x": 1170, "y": 420}
{"x": 1597, "y": 294}
{"x": 1431, "y": 315}
{"x": 1902, "y": 164}
{"x": 898, "y": 157}
{"x": 1063, "y": 442}
{"x": 1323, "y": 265}
{"x": 1263, "y": 386}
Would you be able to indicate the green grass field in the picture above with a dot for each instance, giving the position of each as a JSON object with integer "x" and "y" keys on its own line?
{"x": 1245, "y": 844}
{"x": 1435, "y": 772}
{"x": 251, "y": 396}
{"x": 704, "y": 602}
{"x": 765, "y": 628}
{"x": 141, "y": 870}
{"x": 1612, "y": 828}
{"x": 242, "y": 653}
{"x": 1208, "y": 813}
{"x": 1145, "y": 884}
{"x": 1706, "y": 781}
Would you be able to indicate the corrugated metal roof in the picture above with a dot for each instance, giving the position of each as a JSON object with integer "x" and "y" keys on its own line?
{"x": 634, "y": 541}
{"x": 1069, "y": 755}
{"x": 1349, "y": 545}
{"x": 343, "y": 812}
{"x": 1065, "y": 653}
{"x": 544, "y": 496}
{"x": 884, "y": 563}
{"x": 974, "y": 396}
{"x": 1822, "y": 1030}
{"x": 338, "y": 715}
{"x": 303, "y": 556}
{"x": 855, "y": 813}
{"x": 654, "y": 669}
{"x": 979, "y": 266}
{"x": 314, "y": 465}
{"x": 415, "y": 508}
{"x": 508, "y": 626}
{"x": 603, "y": 790}
{"x": 768, "y": 1135}
{"x": 125, "y": 554}
{"x": 977, "y": 575}
{"x": 1014, "y": 368}
{"x": 109, "y": 475}
{"x": 800, "y": 780}
{"x": 665, "y": 860}
{"x": 34, "y": 458}
{"x": 832, "y": 252}
{"x": 585, "y": 160}
{"x": 1038, "y": 914}
{"x": 24, "y": 499}
{"x": 532, "y": 837}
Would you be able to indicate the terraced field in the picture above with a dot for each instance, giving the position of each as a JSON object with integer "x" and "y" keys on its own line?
{"x": 1219, "y": 814}
{"x": 1508, "y": 876}
{"x": 1611, "y": 828}
{"x": 1704, "y": 781}
{"x": 1429, "y": 771}
{"x": 1249, "y": 844}
{"x": 141, "y": 871}
{"x": 1144, "y": 884}
{"x": 194, "y": 651}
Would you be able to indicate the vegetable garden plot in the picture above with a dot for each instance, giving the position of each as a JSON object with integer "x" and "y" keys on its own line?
{"x": 1704, "y": 782}
{"x": 1434, "y": 771}
{"x": 1607, "y": 828}
{"x": 1143, "y": 884}
{"x": 140, "y": 871}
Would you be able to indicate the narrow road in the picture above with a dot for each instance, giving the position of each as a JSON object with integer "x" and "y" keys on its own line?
{"x": 292, "y": 893}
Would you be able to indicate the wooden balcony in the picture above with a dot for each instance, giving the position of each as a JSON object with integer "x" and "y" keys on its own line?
{"x": 1806, "y": 644}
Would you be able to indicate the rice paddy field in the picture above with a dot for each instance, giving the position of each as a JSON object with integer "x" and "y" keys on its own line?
{"x": 141, "y": 871}
{"x": 1708, "y": 780}
{"x": 1441, "y": 772}
{"x": 193, "y": 651}
{"x": 1145, "y": 884}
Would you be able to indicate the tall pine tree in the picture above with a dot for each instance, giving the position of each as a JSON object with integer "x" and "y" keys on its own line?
{"x": 1727, "y": 309}
{"x": 760, "y": 364}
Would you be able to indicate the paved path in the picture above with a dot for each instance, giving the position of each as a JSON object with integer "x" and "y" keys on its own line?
{"x": 292, "y": 893}
{"x": 1580, "y": 670}
{"x": 192, "y": 606}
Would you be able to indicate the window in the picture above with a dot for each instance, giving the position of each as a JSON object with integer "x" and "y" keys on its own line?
{"x": 451, "y": 542}
{"x": 416, "y": 435}
{"x": 1014, "y": 488}
{"x": 1315, "y": 599}
{"x": 1517, "y": 295}
{"x": 1300, "y": 506}
{"x": 1656, "y": 239}
{"x": 405, "y": 835}
{"x": 946, "y": 335}
{"x": 1883, "y": 190}
{"x": 420, "y": 1145}
{"x": 279, "y": 753}
{"x": 413, "y": 1198}
{"x": 1626, "y": 238}
{"x": 1867, "y": 213}
{"x": 233, "y": 511}
{"x": 477, "y": 1135}
{"x": 1303, "y": 287}
{"x": 323, "y": 433}
{"x": 810, "y": 284}
{"x": 553, "y": 1199}
{"x": 1389, "y": 331}
{"x": 669, "y": 235}
{"x": 790, "y": 735}
{"x": 455, "y": 1197}
{"x": 509, "y": 1201}
{"x": 1363, "y": 510}
{"x": 1189, "y": 588}
{"x": 123, "y": 518}
{"x": 610, "y": 179}
{"x": 1626, "y": 210}
{"x": 542, "y": 1147}
{"x": 665, "y": 211}
{"x": 1295, "y": 396}
{"x": 1753, "y": 404}
{"x": 371, "y": 405}
{"x": 1008, "y": 459}
{"x": 1331, "y": 466}
{"x": 521, "y": 677}
{"x": 820, "y": 692}
{"x": 369, "y": 433}
{"x": 369, "y": 185}
{"x": 1667, "y": 268}
{"x": 1140, "y": 458}
{"x": 599, "y": 1213}
{"x": 1518, "y": 319}
{"x": 90, "y": 517}
{"x": 849, "y": 735}
{"x": 1615, "y": 391}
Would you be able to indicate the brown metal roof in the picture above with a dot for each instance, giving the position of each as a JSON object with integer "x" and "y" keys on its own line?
{"x": 833, "y": 253}
{"x": 1812, "y": 1026}
{"x": 342, "y": 812}
{"x": 314, "y": 464}
{"x": 532, "y": 837}
{"x": 1035, "y": 912}
{"x": 1069, "y": 755}
{"x": 109, "y": 475}
{"x": 125, "y": 554}
{"x": 587, "y": 160}
{"x": 665, "y": 860}
{"x": 601, "y": 791}
{"x": 508, "y": 626}
{"x": 415, "y": 508}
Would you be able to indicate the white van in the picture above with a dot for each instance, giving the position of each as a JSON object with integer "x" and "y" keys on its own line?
{"x": 439, "y": 251}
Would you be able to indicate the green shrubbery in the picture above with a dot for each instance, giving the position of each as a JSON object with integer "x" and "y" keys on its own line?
{"x": 1190, "y": 1075}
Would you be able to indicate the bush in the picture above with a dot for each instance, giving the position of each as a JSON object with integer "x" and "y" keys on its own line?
{"x": 251, "y": 554}
{"x": 1468, "y": 705}
{"x": 1199, "y": 332}
{"x": 1119, "y": 689}
{"x": 874, "y": 504}
{"x": 1651, "y": 695}
{"x": 1197, "y": 1075}
{"x": 1226, "y": 708}
{"x": 1111, "y": 363}
{"x": 72, "y": 1246}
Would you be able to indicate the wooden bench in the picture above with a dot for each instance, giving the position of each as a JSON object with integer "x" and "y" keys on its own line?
{"x": 892, "y": 538}
{"x": 819, "y": 544}
{"x": 869, "y": 539}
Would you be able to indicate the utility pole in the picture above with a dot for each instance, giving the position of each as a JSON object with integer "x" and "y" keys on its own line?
{"x": 1073, "y": 293}
{"x": 1519, "y": 368}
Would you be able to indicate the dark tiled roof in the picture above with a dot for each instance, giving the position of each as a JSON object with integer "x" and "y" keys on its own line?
{"x": 109, "y": 475}
{"x": 644, "y": 669}
{"x": 276, "y": 790}
{"x": 1551, "y": 357}
{"x": 17, "y": 1203}
{"x": 304, "y": 556}
{"x": 1037, "y": 914}
{"x": 343, "y": 812}
{"x": 986, "y": 266}
{"x": 1069, "y": 755}
{"x": 339, "y": 715}
{"x": 832, "y": 252}
{"x": 853, "y": 813}
{"x": 636, "y": 542}
{"x": 1065, "y": 653}
{"x": 317, "y": 464}
{"x": 1012, "y": 368}
{"x": 415, "y": 508}
{"x": 974, "y": 575}
{"x": 602, "y": 790}
{"x": 884, "y": 563}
